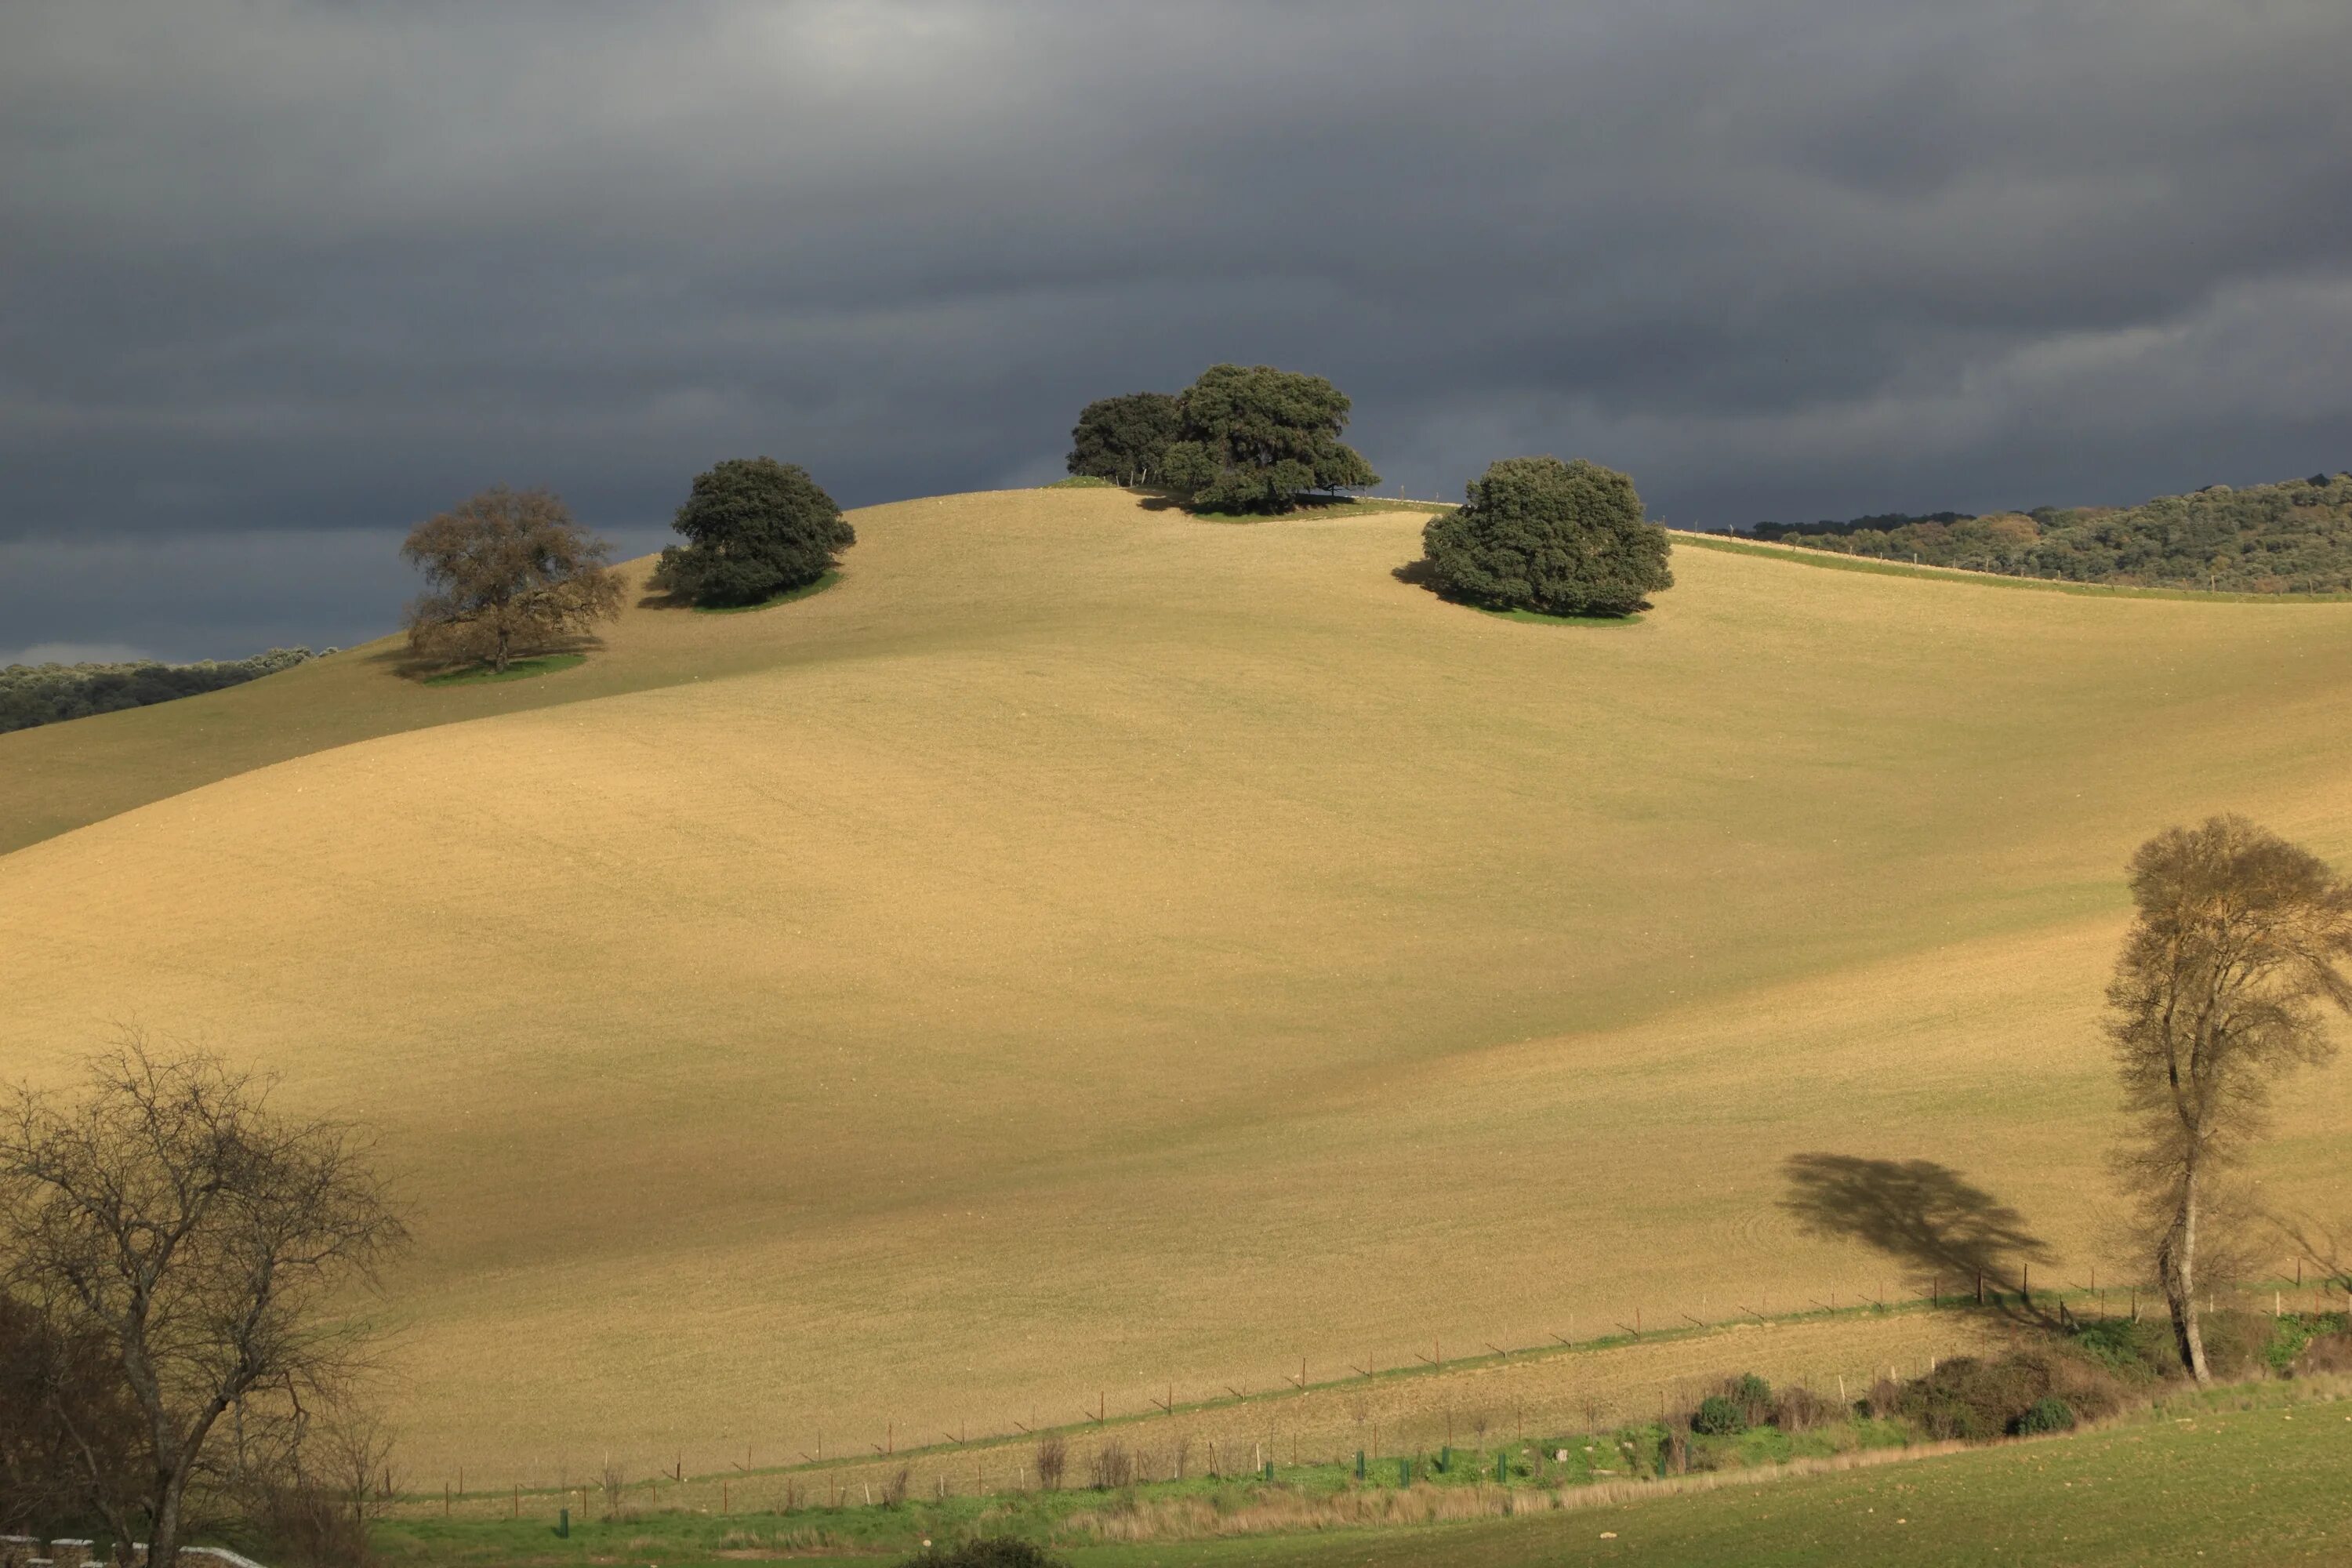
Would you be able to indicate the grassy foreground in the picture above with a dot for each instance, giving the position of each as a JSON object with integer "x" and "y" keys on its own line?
{"x": 2237, "y": 1476}
{"x": 1092, "y": 956}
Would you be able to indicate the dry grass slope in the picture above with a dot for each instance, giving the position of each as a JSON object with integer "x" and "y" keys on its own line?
{"x": 1090, "y": 948}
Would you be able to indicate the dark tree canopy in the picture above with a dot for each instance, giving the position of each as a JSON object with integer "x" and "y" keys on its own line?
{"x": 33, "y": 694}
{"x": 1125, "y": 440}
{"x": 507, "y": 570}
{"x": 2290, "y": 538}
{"x": 754, "y": 528}
{"x": 1256, "y": 439}
{"x": 1562, "y": 539}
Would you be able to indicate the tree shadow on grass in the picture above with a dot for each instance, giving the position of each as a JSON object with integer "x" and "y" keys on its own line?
{"x": 1923, "y": 1216}
{"x": 411, "y": 665}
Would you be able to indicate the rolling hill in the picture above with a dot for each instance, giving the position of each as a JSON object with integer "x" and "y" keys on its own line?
{"x": 1090, "y": 947}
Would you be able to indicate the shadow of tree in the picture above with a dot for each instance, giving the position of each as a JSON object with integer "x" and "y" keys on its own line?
{"x": 1925, "y": 1216}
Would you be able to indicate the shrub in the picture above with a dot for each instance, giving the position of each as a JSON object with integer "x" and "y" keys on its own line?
{"x": 1053, "y": 1460}
{"x": 1560, "y": 539}
{"x": 2235, "y": 1343}
{"x": 2141, "y": 1349}
{"x": 1797, "y": 1409}
{"x": 1753, "y": 1394}
{"x": 1718, "y": 1417}
{"x": 2326, "y": 1354}
{"x": 2047, "y": 1413}
{"x": 754, "y": 528}
{"x": 1972, "y": 1400}
{"x": 1112, "y": 1467}
{"x": 986, "y": 1551}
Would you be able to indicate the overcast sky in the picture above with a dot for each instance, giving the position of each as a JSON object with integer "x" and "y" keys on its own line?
{"x": 278, "y": 278}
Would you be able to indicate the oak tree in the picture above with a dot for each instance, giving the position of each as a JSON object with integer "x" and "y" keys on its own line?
{"x": 1125, "y": 440}
{"x": 2222, "y": 987}
{"x": 507, "y": 570}
{"x": 754, "y": 528}
{"x": 1562, "y": 539}
{"x": 1256, "y": 439}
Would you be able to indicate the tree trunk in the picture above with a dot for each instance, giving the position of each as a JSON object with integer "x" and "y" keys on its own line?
{"x": 499, "y": 659}
{"x": 164, "y": 1537}
{"x": 2179, "y": 1261}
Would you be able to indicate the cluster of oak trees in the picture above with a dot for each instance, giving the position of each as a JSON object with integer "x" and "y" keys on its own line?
{"x": 1533, "y": 534}
{"x": 514, "y": 571}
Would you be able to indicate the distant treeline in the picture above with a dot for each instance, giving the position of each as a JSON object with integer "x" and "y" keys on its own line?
{"x": 2289, "y": 538}
{"x": 33, "y": 694}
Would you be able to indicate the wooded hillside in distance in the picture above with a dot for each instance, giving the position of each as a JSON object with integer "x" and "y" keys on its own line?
{"x": 33, "y": 694}
{"x": 2293, "y": 537}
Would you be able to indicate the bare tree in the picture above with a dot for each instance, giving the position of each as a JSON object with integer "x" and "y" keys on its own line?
{"x": 507, "y": 569}
{"x": 1053, "y": 1460}
{"x": 170, "y": 1213}
{"x": 2220, "y": 990}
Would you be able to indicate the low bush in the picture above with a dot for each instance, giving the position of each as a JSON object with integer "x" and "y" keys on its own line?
{"x": 2326, "y": 1354}
{"x": 2237, "y": 1342}
{"x": 2292, "y": 1335}
{"x": 986, "y": 1551}
{"x": 1053, "y": 1460}
{"x": 1718, "y": 1417}
{"x": 1970, "y": 1399}
{"x": 1112, "y": 1467}
{"x": 1753, "y": 1394}
{"x": 2139, "y": 1349}
{"x": 2047, "y": 1413}
{"x": 1796, "y": 1409}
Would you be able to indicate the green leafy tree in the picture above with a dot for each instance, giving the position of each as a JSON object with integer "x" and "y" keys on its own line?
{"x": 754, "y": 528}
{"x": 1256, "y": 439}
{"x": 1562, "y": 538}
{"x": 1125, "y": 440}
{"x": 507, "y": 570}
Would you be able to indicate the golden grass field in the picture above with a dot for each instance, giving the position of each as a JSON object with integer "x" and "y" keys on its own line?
{"x": 1090, "y": 949}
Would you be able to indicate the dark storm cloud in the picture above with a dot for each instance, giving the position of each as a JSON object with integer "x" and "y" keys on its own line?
{"x": 281, "y": 277}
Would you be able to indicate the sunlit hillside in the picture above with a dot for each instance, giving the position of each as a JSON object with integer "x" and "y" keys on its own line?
{"x": 1091, "y": 948}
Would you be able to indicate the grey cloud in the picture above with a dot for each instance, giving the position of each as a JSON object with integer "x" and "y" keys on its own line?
{"x": 313, "y": 270}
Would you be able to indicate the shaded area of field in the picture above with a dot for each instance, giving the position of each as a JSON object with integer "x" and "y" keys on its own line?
{"x": 1091, "y": 950}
